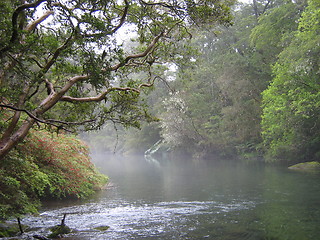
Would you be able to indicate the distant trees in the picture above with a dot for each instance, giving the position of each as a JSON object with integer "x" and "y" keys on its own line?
{"x": 61, "y": 64}
{"x": 221, "y": 93}
{"x": 253, "y": 87}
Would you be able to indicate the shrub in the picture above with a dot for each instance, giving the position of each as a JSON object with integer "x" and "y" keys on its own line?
{"x": 46, "y": 165}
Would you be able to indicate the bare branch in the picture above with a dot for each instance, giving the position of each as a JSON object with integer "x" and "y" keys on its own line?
{"x": 103, "y": 95}
{"x": 31, "y": 26}
{"x": 54, "y": 97}
{"x": 32, "y": 116}
{"x": 123, "y": 18}
{"x": 22, "y": 110}
{"x": 99, "y": 97}
{"x": 57, "y": 53}
{"x": 49, "y": 86}
{"x": 70, "y": 123}
{"x": 162, "y": 4}
{"x": 139, "y": 55}
{"x": 266, "y": 6}
{"x": 71, "y": 82}
{"x": 14, "y": 21}
{"x": 51, "y": 122}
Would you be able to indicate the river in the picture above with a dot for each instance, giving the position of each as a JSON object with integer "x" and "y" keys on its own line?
{"x": 192, "y": 199}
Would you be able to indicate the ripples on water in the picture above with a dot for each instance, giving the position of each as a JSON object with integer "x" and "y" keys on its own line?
{"x": 188, "y": 200}
{"x": 127, "y": 220}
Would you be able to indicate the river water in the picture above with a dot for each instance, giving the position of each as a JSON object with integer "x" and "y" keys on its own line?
{"x": 192, "y": 199}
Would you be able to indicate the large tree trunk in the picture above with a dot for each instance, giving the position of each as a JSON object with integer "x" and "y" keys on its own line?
{"x": 12, "y": 138}
{"x": 8, "y": 143}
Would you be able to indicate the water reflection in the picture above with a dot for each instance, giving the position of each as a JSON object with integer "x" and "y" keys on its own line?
{"x": 184, "y": 199}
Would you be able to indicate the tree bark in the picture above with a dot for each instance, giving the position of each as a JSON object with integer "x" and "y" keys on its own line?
{"x": 9, "y": 143}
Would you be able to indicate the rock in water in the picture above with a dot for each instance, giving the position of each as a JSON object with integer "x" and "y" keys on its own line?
{"x": 59, "y": 230}
{"x": 40, "y": 237}
{"x": 306, "y": 166}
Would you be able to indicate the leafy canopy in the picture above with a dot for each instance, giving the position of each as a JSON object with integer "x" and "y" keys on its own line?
{"x": 62, "y": 63}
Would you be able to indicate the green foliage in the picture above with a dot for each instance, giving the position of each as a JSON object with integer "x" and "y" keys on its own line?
{"x": 46, "y": 166}
{"x": 219, "y": 104}
{"x": 274, "y": 30}
{"x": 220, "y": 94}
{"x": 9, "y": 230}
{"x": 5, "y": 11}
{"x": 18, "y": 192}
{"x": 66, "y": 161}
{"x": 69, "y": 68}
{"x": 292, "y": 102}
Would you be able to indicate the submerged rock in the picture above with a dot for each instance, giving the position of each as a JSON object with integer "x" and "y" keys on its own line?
{"x": 102, "y": 228}
{"x": 40, "y": 237}
{"x": 306, "y": 166}
{"x": 59, "y": 230}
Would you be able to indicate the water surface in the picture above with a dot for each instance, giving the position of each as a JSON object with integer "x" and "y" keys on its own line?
{"x": 192, "y": 199}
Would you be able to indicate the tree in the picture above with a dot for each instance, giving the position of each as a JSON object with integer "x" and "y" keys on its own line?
{"x": 62, "y": 66}
{"x": 221, "y": 91}
{"x": 292, "y": 102}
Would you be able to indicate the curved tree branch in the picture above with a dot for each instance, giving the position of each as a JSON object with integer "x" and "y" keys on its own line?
{"x": 103, "y": 95}
{"x": 31, "y": 26}
{"x": 25, "y": 111}
{"x": 59, "y": 96}
{"x": 162, "y": 4}
{"x": 54, "y": 97}
{"x": 99, "y": 97}
{"x": 14, "y": 22}
{"x": 51, "y": 122}
{"x": 139, "y": 55}
{"x": 123, "y": 18}
{"x": 50, "y": 87}
{"x": 57, "y": 53}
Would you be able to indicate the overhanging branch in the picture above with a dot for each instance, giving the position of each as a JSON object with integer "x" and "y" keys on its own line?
{"x": 99, "y": 97}
{"x": 123, "y": 18}
{"x": 14, "y": 22}
{"x": 103, "y": 95}
{"x": 31, "y": 26}
{"x": 51, "y": 122}
{"x": 57, "y": 53}
{"x": 139, "y": 55}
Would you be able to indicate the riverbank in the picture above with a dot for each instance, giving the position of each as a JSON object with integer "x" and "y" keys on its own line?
{"x": 46, "y": 166}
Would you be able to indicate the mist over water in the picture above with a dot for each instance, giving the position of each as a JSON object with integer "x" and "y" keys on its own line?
{"x": 192, "y": 199}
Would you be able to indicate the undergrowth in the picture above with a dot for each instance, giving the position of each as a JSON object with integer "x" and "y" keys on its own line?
{"x": 46, "y": 165}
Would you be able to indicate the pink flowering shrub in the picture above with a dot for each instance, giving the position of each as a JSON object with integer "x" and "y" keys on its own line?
{"x": 65, "y": 160}
{"x": 46, "y": 165}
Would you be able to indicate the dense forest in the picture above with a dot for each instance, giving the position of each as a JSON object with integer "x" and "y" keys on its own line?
{"x": 250, "y": 90}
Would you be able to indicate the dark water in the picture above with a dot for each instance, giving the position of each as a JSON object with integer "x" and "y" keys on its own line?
{"x": 188, "y": 199}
